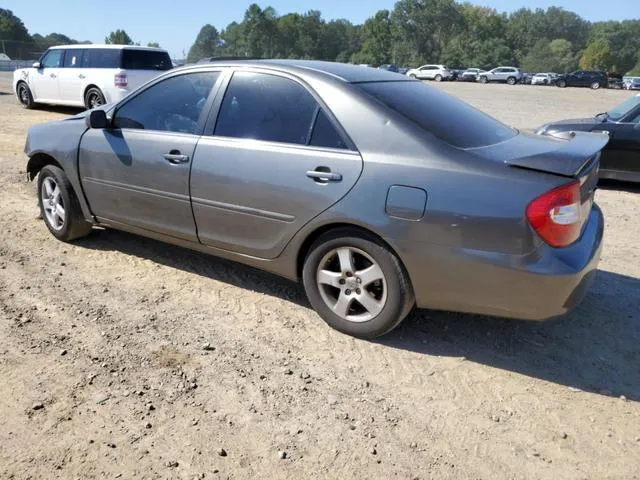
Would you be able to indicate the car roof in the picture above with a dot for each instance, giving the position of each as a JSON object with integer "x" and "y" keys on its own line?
{"x": 342, "y": 71}
{"x": 109, "y": 46}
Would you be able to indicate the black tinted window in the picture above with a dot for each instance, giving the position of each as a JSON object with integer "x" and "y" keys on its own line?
{"x": 52, "y": 59}
{"x": 73, "y": 58}
{"x": 324, "y": 134}
{"x": 173, "y": 105}
{"x": 145, "y": 60}
{"x": 446, "y": 117}
{"x": 101, "y": 58}
{"x": 266, "y": 107}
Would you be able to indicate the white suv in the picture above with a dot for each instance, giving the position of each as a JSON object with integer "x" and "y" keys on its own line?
{"x": 88, "y": 75}
{"x": 431, "y": 72}
{"x": 510, "y": 75}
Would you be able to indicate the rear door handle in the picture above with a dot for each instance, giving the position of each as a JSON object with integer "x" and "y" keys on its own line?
{"x": 319, "y": 175}
{"x": 175, "y": 157}
{"x": 81, "y": 76}
{"x": 52, "y": 75}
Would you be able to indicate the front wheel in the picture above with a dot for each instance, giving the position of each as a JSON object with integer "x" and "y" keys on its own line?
{"x": 595, "y": 85}
{"x": 59, "y": 206}
{"x": 93, "y": 98}
{"x": 356, "y": 284}
{"x": 484, "y": 79}
{"x": 561, "y": 83}
{"x": 413, "y": 75}
{"x": 24, "y": 96}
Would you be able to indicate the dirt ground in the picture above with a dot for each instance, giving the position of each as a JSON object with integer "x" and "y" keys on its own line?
{"x": 121, "y": 357}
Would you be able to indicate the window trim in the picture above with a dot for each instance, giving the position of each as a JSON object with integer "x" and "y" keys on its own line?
{"x": 204, "y": 114}
{"x": 209, "y": 129}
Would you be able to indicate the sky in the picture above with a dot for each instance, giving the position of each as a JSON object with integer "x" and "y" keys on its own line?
{"x": 175, "y": 23}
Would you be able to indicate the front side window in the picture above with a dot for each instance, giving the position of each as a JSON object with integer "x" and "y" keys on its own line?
{"x": 440, "y": 114}
{"x": 266, "y": 107}
{"x": 52, "y": 59}
{"x": 624, "y": 109}
{"x": 173, "y": 105}
{"x": 73, "y": 58}
{"x": 101, "y": 58}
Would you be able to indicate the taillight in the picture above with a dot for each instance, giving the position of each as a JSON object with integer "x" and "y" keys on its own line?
{"x": 120, "y": 80}
{"x": 555, "y": 215}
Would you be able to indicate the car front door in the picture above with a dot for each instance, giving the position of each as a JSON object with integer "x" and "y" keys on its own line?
{"x": 72, "y": 77}
{"x": 621, "y": 156}
{"x": 426, "y": 72}
{"x": 136, "y": 173}
{"x": 275, "y": 159}
{"x": 45, "y": 87}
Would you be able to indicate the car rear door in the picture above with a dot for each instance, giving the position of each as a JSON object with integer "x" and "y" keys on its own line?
{"x": 45, "y": 85}
{"x": 621, "y": 157}
{"x": 72, "y": 77}
{"x": 274, "y": 159}
{"x": 136, "y": 173}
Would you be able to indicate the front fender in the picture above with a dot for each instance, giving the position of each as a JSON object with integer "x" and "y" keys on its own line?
{"x": 58, "y": 141}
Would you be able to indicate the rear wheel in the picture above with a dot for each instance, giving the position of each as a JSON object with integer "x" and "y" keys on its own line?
{"x": 24, "y": 95}
{"x": 561, "y": 83}
{"x": 484, "y": 79}
{"x": 511, "y": 80}
{"x": 438, "y": 78}
{"x": 595, "y": 85}
{"x": 59, "y": 205}
{"x": 93, "y": 98}
{"x": 356, "y": 284}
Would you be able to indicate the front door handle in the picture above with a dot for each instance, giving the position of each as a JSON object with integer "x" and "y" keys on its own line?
{"x": 324, "y": 175}
{"x": 52, "y": 75}
{"x": 81, "y": 76}
{"x": 175, "y": 157}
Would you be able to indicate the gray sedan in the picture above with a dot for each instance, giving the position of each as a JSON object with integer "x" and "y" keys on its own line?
{"x": 378, "y": 192}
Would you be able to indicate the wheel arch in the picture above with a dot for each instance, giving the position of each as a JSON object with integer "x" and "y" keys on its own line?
{"x": 312, "y": 236}
{"x": 20, "y": 82}
{"x": 38, "y": 161}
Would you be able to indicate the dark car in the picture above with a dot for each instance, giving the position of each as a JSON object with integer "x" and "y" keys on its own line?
{"x": 620, "y": 159}
{"x": 389, "y": 68}
{"x": 376, "y": 191}
{"x": 584, "y": 78}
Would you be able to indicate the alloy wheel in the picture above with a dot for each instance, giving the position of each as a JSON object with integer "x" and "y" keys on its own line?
{"x": 52, "y": 204}
{"x": 352, "y": 284}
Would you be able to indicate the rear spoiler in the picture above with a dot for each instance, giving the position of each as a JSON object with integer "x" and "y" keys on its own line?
{"x": 576, "y": 150}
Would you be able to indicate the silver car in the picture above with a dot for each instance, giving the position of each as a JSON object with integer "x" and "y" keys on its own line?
{"x": 509, "y": 75}
{"x": 378, "y": 192}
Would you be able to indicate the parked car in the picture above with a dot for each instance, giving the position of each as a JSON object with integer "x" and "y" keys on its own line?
{"x": 470, "y": 75}
{"x": 510, "y": 75}
{"x": 583, "y": 78}
{"x": 633, "y": 84}
{"x": 403, "y": 70}
{"x": 544, "y": 79}
{"x": 620, "y": 159}
{"x": 389, "y": 67}
{"x": 321, "y": 171}
{"x": 526, "y": 78}
{"x": 431, "y": 72}
{"x": 88, "y": 75}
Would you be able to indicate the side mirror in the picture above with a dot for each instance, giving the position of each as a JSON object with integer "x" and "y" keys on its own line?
{"x": 37, "y": 65}
{"x": 97, "y": 119}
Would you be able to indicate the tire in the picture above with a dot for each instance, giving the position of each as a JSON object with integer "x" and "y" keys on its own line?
{"x": 484, "y": 79}
{"x": 387, "y": 291}
{"x": 595, "y": 85}
{"x": 93, "y": 98}
{"x": 438, "y": 78}
{"x": 60, "y": 211}
{"x": 24, "y": 96}
{"x": 561, "y": 83}
{"x": 511, "y": 80}
{"x": 413, "y": 75}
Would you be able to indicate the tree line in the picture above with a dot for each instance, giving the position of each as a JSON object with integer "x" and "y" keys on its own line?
{"x": 414, "y": 32}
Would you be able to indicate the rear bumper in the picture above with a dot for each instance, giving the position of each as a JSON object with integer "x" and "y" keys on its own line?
{"x": 115, "y": 94}
{"x": 541, "y": 285}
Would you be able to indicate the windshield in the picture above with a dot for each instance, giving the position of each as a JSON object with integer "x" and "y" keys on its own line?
{"x": 625, "y": 107}
{"x": 440, "y": 114}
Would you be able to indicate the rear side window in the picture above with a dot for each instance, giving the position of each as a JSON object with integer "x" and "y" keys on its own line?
{"x": 73, "y": 58}
{"x": 266, "y": 107}
{"x": 101, "y": 58}
{"x": 324, "y": 133}
{"x": 145, "y": 60}
{"x": 440, "y": 114}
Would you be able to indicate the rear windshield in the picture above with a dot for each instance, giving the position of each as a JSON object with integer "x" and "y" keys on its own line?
{"x": 442, "y": 115}
{"x": 145, "y": 60}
